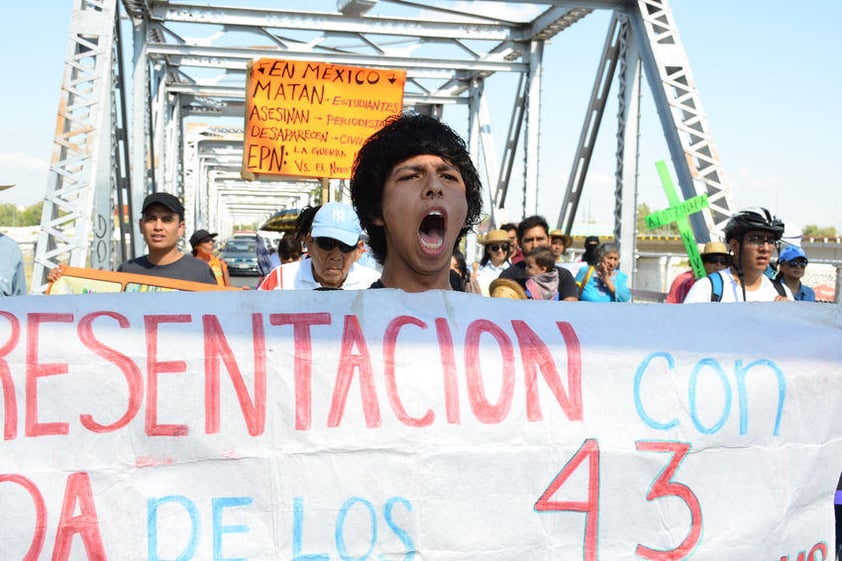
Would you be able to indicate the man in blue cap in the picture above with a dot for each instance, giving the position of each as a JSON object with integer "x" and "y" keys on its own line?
{"x": 333, "y": 244}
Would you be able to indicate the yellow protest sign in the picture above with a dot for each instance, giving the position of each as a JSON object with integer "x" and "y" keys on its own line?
{"x": 309, "y": 119}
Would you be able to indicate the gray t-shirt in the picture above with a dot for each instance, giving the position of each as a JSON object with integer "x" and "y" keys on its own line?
{"x": 188, "y": 268}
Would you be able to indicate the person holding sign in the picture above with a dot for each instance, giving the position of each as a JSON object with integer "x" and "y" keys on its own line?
{"x": 417, "y": 193}
{"x": 333, "y": 244}
{"x": 752, "y": 236}
{"x": 202, "y": 243}
{"x": 12, "y": 275}
{"x": 162, "y": 224}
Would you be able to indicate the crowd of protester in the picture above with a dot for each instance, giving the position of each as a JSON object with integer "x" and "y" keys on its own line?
{"x": 415, "y": 195}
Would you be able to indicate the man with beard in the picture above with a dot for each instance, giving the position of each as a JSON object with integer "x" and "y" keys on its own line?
{"x": 532, "y": 232}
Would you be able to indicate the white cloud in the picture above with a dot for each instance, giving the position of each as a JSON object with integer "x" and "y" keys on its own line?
{"x": 18, "y": 160}
{"x": 502, "y": 10}
{"x": 497, "y": 10}
{"x": 27, "y": 173}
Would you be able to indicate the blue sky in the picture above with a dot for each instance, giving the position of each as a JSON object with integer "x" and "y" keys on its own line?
{"x": 769, "y": 78}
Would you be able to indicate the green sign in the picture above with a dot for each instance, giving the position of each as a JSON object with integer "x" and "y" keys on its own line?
{"x": 678, "y": 212}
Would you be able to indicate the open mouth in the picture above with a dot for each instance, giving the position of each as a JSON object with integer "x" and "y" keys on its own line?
{"x": 431, "y": 232}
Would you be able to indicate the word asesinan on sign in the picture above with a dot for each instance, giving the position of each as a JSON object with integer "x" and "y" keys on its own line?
{"x": 310, "y": 118}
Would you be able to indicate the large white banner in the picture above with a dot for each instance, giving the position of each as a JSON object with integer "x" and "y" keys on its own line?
{"x": 383, "y": 426}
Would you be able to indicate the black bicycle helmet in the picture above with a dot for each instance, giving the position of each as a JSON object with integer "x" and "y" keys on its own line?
{"x": 754, "y": 218}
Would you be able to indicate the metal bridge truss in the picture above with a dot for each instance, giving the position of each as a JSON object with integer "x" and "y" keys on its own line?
{"x": 187, "y": 83}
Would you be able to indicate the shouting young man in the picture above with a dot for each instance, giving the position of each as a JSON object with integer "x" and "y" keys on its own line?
{"x": 416, "y": 192}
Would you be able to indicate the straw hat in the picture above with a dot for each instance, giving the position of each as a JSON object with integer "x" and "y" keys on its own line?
{"x": 715, "y": 248}
{"x": 506, "y": 288}
{"x": 567, "y": 240}
{"x": 495, "y": 236}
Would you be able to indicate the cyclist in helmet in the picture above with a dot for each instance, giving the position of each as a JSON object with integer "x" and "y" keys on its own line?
{"x": 752, "y": 235}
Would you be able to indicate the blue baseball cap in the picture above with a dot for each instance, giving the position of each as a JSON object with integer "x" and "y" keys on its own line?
{"x": 791, "y": 252}
{"x": 337, "y": 221}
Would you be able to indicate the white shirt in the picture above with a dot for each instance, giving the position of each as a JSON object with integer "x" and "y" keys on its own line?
{"x": 298, "y": 275}
{"x": 488, "y": 273}
{"x": 731, "y": 291}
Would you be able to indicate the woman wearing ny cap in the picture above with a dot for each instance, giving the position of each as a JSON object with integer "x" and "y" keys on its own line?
{"x": 495, "y": 258}
{"x": 791, "y": 267}
{"x": 333, "y": 246}
{"x": 202, "y": 243}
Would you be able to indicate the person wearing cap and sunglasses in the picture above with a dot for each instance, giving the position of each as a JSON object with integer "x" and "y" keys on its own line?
{"x": 752, "y": 236}
{"x": 791, "y": 266}
{"x": 333, "y": 246}
{"x": 202, "y": 243}
{"x": 715, "y": 257}
{"x": 495, "y": 258}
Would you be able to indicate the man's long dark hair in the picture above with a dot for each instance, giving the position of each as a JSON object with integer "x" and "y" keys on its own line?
{"x": 403, "y": 137}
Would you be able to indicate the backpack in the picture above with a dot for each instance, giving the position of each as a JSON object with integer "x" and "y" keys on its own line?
{"x": 716, "y": 287}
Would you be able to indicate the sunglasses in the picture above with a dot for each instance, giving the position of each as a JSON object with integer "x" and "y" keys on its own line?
{"x": 328, "y": 244}
{"x": 497, "y": 247}
{"x": 759, "y": 241}
{"x": 716, "y": 260}
{"x": 796, "y": 263}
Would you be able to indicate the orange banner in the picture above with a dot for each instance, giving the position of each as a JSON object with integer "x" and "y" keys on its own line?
{"x": 309, "y": 119}
{"x": 82, "y": 280}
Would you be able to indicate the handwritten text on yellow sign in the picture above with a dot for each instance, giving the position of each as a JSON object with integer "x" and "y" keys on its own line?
{"x": 310, "y": 118}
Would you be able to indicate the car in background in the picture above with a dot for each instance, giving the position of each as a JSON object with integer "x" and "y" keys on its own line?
{"x": 240, "y": 254}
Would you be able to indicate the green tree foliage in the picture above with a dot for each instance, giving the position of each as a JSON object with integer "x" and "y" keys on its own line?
{"x": 32, "y": 214}
{"x": 642, "y": 230}
{"x": 813, "y": 231}
{"x": 29, "y": 216}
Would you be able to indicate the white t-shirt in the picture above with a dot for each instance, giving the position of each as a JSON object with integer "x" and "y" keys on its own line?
{"x": 731, "y": 291}
{"x": 298, "y": 275}
{"x": 488, "y": 272}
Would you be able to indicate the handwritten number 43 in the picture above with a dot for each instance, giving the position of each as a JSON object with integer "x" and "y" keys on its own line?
{"x": 663, "y": 486}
